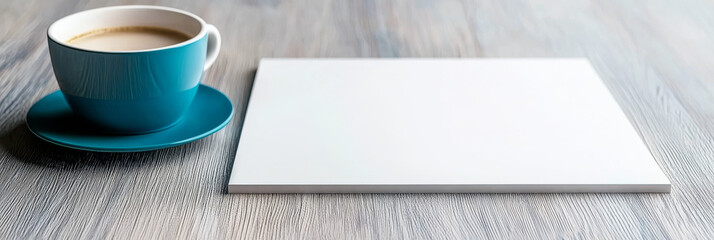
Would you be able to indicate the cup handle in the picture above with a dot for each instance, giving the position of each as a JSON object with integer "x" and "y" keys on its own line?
{"x": 214, "y": 45}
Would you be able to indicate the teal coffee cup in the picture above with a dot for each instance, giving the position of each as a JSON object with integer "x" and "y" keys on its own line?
{"x": 131, "y": 91}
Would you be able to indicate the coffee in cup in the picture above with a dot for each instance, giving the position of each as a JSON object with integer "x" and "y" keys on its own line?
{"x": 128, "y": 38}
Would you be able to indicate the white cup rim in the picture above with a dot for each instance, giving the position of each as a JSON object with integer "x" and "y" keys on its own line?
{"x": 201, "y": 33}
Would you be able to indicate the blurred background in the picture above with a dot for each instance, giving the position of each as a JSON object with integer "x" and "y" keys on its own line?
{"x": 657, "y": 43}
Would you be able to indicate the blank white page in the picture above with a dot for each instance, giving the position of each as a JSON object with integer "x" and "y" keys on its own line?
{"x": 437, "y": 125}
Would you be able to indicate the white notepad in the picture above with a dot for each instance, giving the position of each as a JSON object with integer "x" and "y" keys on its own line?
{"x": 437, "y": 125}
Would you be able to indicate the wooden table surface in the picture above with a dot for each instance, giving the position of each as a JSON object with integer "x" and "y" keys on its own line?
{"x": 655, "y": 57}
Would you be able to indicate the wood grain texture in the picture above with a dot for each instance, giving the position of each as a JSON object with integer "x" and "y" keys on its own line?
{"x": 654, "y": 56}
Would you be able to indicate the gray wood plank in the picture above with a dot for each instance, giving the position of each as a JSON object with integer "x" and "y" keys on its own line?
{"x": 654, "y": 56}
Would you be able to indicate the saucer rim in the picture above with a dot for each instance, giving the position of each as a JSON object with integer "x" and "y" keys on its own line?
{"x": 140, "y": 149}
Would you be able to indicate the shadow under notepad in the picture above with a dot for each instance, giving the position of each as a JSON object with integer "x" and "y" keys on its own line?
{"x": 240, "y": 119}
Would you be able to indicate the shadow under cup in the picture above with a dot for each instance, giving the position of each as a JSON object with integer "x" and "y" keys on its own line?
{"x": 129, "y": 92}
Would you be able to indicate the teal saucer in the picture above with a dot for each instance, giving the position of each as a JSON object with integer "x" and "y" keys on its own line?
{"x": 51, "y": 119}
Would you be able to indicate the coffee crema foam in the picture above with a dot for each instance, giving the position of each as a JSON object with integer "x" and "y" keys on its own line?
{"x": 127, "y": 38}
